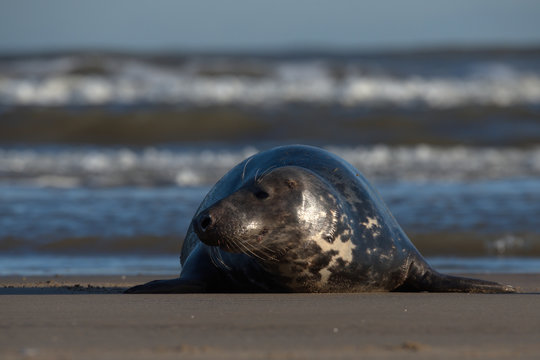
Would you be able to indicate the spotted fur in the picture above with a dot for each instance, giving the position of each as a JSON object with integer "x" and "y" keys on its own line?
{"x": 300, "y": 219}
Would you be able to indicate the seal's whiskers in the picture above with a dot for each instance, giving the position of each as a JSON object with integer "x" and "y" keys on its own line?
{"x": 264, "y": 173}
{"x": 244, "y": 170}
{"x": 217, "y": 260}
{"x": 248, "y": 251}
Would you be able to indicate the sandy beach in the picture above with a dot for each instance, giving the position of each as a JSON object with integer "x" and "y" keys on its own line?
{"x": 87, "y": 317}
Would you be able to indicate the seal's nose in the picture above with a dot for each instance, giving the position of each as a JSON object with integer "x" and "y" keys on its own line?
{"x": 204, "y": 220}
{"x": 202, "y": 224}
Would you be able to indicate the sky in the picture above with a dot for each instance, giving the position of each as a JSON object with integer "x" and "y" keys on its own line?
{"x": 230, "y": 25}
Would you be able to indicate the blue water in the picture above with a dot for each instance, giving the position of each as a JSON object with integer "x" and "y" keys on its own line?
{"x": 32, "y": 264}
{"x": 104, "y": 159}
{"x": 103, "y": 220}
{"x": 169, "y": 265}
{"x": 486, "y": 226}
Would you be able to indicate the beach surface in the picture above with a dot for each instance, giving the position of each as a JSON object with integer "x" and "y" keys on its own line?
{"x": 87, "y": 317}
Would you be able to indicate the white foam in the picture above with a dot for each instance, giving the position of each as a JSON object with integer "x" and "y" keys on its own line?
{"x": 132, "y": 82}
{"x": 457, "y": 163}
{"x": 71, "y": 167}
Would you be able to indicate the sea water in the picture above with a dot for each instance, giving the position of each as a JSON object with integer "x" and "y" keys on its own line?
{"x": 451, "y": 140}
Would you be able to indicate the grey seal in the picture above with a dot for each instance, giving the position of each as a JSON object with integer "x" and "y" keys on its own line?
{"x": 300, "y": 219}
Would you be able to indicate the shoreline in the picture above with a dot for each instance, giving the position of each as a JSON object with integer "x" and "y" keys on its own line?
{"x": 86, "y": 317}
{"x": 525, "y": 283}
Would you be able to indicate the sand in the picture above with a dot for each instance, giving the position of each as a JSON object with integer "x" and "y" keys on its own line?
{"x": 88, "y": 318}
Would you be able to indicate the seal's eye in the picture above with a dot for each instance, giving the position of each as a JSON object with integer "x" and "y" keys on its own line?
{"x": 261, "y": 194}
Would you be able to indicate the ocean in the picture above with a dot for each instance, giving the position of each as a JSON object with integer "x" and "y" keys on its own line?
{"x": 104, "y": 157}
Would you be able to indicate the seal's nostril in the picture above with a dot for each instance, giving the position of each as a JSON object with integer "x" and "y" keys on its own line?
{"x": 261, "y": 195}
{"x": 206, "y": 220}
{"x": 204, "y": 227}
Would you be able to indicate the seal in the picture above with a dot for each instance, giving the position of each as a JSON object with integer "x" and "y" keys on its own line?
{"x": 300, "y": 219}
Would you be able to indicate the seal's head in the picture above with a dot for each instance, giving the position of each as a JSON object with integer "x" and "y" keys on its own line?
{"x": 286, "y": 209}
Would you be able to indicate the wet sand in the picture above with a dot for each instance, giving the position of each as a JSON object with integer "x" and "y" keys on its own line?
{"x": 87, "y": 317}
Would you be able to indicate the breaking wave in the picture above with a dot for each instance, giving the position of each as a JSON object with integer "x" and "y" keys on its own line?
{"x": 108, "y": 80}
{"x": 112, "y": 167}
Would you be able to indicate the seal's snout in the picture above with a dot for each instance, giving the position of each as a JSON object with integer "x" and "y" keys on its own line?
{"x": 204, "y": 221}
{"x": 202, "y": 224}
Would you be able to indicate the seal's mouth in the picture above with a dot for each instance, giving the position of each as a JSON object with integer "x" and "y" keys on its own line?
{"x": 207, "y": 227}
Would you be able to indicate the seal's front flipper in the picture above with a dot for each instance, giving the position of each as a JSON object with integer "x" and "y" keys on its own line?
{"x": 424, "y": 278}
{"x": 172, "y": 286}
